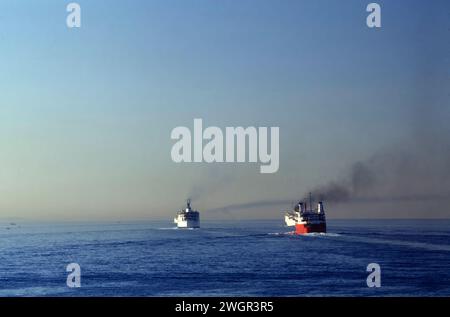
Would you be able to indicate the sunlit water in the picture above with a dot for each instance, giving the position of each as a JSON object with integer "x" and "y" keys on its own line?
{"x": 245, "y": 258}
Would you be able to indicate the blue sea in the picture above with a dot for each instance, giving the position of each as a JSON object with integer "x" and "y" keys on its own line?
{"x": 244, "y": 258}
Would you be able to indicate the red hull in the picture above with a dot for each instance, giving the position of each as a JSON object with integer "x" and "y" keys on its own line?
{"x": 309, "y": 228}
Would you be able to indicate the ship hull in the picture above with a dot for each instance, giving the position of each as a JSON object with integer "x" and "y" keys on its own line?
{"x": 186, "y": 224}
{"x": 310, "y": 228}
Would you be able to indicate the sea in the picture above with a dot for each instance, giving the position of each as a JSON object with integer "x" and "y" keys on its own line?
{"x": 225, "y": 258}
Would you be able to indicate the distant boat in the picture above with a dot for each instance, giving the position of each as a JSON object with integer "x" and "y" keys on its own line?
{"x": 307, "y": 221}
{"x": 187, "y": 218}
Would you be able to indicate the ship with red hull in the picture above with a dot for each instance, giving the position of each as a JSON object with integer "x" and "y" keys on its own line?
{"x": 307, "y": 220}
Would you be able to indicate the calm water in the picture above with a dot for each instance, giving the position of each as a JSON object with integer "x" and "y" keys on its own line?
{"x": 244, "y": 258}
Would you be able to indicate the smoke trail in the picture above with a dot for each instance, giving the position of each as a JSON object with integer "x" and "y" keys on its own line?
{"x": 355, "y": 200}
{"x": 360, "y": 179}
{"x": 250, "y": 205}
{"x": 396, "y": 174}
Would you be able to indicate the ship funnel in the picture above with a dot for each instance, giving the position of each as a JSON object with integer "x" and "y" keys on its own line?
{"x": 300, "y": 207}
{"x": 188, "y": 205}
{"x": 320, "y": 208}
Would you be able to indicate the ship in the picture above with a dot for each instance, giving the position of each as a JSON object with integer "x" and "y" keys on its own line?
{"x": 187, "y": 218}
{"x": 307, "y": 220}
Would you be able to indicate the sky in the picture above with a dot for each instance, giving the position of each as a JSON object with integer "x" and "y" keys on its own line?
{"x": 86, "y": 114}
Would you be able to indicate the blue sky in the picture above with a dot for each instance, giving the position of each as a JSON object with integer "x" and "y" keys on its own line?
{"x": 86, "y": 114}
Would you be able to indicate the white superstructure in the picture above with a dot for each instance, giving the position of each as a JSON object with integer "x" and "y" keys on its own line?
{"x": 291, "y": 218}
{"x": 187, "y": 218}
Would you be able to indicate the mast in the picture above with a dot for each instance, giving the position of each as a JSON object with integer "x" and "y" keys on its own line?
{"x": 188, "y": 205}
{"x": 310, "y": 201}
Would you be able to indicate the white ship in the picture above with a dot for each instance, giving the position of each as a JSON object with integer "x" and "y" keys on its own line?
{"x": 187, "y": 218}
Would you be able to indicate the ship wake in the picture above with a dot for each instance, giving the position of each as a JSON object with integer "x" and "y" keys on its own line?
{"x": 311, "y": 234}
